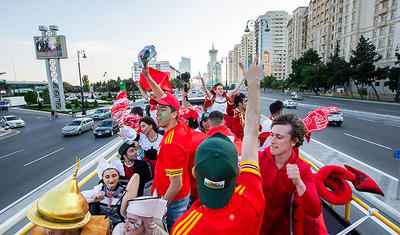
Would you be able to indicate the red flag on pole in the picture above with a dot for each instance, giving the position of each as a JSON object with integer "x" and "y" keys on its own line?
{"x": 161, "y": 78}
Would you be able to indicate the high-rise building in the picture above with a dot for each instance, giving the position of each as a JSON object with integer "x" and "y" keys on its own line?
{"x": 184, "y": 65}
{"x": 325, "y": 24}
{"x": 214, "y": 66}
{"x": 246, "y": 47}
{"x": 163, "y": 66}
{"x": 273, "y": 42}
{"x": 237, "y": 55}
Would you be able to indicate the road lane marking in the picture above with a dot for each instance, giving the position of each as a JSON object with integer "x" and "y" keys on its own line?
{"x": 11, "y": 153}
{"x": 356, "y": 160}
{"x": 27, "y": 164}
{"x": 368, "y": 120}
{"x": 368, "y": 141}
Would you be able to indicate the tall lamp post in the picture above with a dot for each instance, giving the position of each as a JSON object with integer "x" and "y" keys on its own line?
{"x": 257, "y": 24}
{"x": 397, "y": 96}
{"x": 81, "y": 52}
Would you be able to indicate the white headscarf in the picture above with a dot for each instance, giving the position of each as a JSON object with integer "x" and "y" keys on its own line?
{"x": 115, "y": 163}
{"x": 147, "y": 206}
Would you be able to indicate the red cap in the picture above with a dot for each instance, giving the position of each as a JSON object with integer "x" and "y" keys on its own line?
{"x": 188, "y": 113}
{"x": 168, "y": 99}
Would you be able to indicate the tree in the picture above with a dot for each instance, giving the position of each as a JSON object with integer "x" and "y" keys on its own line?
{"x": 337, "y": 70}
{"x": 68, "y": 87}
{"x": 30, "y": 97}
{"x": 363, "y": 70}
{"x": 85, "y": 82}
{"x": 314, "y": 77}
{"x": 176, "y": 83}
{"x": 46, "y": 96}
{"x": 311, "y": 58}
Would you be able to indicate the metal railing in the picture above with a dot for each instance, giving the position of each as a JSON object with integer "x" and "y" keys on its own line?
{"x": 371, "y": 210}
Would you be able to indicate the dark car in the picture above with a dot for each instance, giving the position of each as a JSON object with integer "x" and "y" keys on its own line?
{"x": 106, "y": 128}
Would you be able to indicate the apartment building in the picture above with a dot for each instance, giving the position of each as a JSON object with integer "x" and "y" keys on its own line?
{"x": 326, "y": 23}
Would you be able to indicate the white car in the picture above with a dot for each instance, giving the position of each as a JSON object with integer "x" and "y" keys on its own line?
{"x": 78, "y": 126}
{"x": 289, "y": 104}
{"x": 13, "y": 121}
{"x": 336, "y": 118}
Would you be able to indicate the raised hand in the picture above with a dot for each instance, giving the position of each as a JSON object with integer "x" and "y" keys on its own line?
{"x": 255, "y": 71}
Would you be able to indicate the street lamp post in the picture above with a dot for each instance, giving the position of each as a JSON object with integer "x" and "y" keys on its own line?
{"x": 397, "y": 96}
{"x": 257, "y": 24}
{"x": 79, "y": 52}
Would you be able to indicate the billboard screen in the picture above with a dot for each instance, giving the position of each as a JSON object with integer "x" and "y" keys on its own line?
{"x": 50, "y": 47}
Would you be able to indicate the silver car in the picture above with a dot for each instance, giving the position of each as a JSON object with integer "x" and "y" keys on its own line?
{"x": 12, "y": 121}
{"x": 78, "y": 126}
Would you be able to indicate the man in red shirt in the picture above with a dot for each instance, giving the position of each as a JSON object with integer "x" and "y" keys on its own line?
{"x": 171, "y": 178}
{"x": 276, "y": 109}
{"x": 230, "y": 202}
{"x": 216, "y": 121}
{"x": 287, "y": 180}
{"x": 236, "y": 123}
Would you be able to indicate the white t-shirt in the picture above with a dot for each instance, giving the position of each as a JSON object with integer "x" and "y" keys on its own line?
{"x": 220, "y": 104}
{"x": 266, "y": 127}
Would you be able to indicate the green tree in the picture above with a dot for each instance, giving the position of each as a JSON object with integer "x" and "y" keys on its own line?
{"x": 363, "y": 70}
{"x": 46, "y": 96}
{"x": 311, "y": 58}
{"x": 30, "y": 97}
{"x": 85, "y": 82}
{"x": 314, "y": 77}
{"x": 68, "y": 87}
{"x": 337, "y": 70}
{"x": 176, "y": 83}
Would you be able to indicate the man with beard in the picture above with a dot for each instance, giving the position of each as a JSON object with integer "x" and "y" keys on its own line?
{"x": 171, "y": 178}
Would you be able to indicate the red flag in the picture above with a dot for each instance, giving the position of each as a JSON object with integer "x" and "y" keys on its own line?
{"x": 363, "y": 182}
{"x": 315, "y": 120}
{"x": 161, "y": 78}
{"x": 263, "y": 137}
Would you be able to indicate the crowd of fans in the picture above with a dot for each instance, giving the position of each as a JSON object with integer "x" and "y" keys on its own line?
{"x": 198, "y": 169}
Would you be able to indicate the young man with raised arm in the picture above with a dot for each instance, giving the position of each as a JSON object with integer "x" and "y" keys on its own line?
{"x": 171, "y": 178}
{"x": 231, "y": 200}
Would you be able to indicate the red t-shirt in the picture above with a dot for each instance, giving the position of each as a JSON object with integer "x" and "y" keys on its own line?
{"x": 243, "y": 214}
{"x": 236, "y": 123}
{"x": 278, "y": 191}
{"x": 226, "y": 131}
{"x": 197, "y": 138}
{"x": 172, "y": 160}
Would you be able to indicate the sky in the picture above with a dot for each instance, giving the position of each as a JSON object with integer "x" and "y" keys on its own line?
{"x": 113, "y": 32}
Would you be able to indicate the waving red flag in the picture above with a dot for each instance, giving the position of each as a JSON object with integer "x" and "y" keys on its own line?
{"x": 161, "y": 78}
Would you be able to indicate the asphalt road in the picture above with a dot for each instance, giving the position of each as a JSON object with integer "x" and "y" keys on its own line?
{"x": 31, "y": 155}
{"x": 370, "y": 131}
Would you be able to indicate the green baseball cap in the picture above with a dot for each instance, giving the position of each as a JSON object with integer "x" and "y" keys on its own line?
{"x": 216, "y": 167}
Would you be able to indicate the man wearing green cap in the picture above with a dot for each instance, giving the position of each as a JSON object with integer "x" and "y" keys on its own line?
{"x": 231, "y": 199}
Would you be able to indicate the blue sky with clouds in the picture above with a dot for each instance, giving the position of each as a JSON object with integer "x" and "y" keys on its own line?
{"x": 113, "y": 32}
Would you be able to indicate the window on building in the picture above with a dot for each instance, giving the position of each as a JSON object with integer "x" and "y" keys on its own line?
{"x": 347, "y": 8}
{"x": 390, "y": 42}
{"x": 383, "y": 31}
{"x": 345, "y": 29}
{"x": 376, "y": 21}
{"x": 380, "y": 45}
{"x": 351, "y": 39}
{"x": 389, "y": 55}
{"x": 374, "y": 33}
{"x": 377, "y": 83}
{"x": 352, "y": 27}
{"x": 393, "y": 15}
{"x": 384, "y": 17}
{"x": 385, "y": 4}
{"x": 376, "y": 9}
{"x": 391, "y": 29}
{"x": 394, "y": 3}
{"x": 353, "y": 16}
{"x": 354, "y": 4}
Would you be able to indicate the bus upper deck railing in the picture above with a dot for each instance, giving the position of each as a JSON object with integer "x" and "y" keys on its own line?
{"x": 28, "y": 227}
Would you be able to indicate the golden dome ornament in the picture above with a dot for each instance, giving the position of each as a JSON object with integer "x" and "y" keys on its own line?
{"x": 62, "y": 208}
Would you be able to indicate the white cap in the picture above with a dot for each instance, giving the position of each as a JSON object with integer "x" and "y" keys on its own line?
{"x": 115, "y": 163}
{"x": 147, "y": 206}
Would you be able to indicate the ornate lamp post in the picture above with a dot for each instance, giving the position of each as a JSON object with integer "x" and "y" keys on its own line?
{"x": 257, "y": 24}
{"x": 81, "y": 52}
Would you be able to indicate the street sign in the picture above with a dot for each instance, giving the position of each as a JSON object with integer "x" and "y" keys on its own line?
{"x": 122, "y": 86}
{"x": 397, "y": 154}
{"x": 3, "y": 81}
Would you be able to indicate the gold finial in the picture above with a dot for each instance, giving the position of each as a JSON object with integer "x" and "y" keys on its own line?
{"x": 78, "y": 161}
